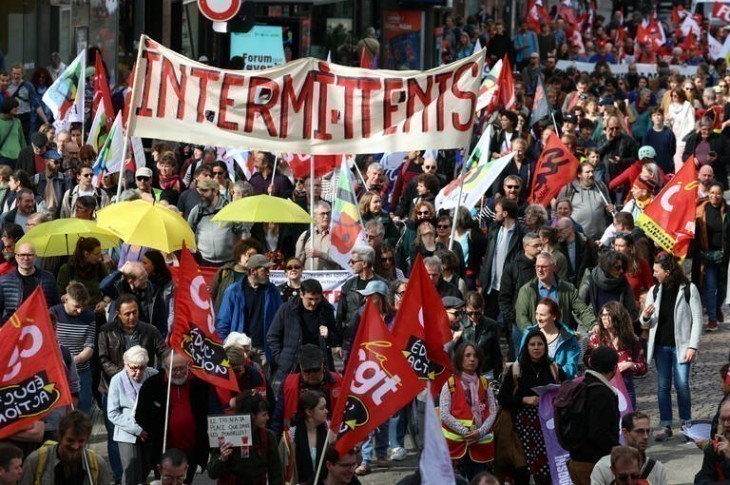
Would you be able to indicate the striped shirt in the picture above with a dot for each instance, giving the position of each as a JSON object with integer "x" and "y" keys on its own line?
{"x": 75, "y": 333}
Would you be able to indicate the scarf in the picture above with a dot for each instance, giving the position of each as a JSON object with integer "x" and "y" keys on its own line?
{"x": 470, "y": 383}
{"x": 641, "y": 204}
{"x": 305, "y": 467}
{"x": 169, "y": 182}
{"x": 132, "y": 387}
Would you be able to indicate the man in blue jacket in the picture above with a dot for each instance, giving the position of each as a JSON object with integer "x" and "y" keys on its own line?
{"x": 249, "y": 306}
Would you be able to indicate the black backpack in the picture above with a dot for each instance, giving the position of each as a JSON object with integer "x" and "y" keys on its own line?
{"x": 571, "y": 421}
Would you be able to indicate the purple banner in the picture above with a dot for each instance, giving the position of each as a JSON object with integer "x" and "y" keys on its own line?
{"x": 557, "y": 456}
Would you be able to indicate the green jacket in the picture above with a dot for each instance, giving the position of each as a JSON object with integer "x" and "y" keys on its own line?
{"x": 15, "y": 140}
{"x": 573, "y": 310}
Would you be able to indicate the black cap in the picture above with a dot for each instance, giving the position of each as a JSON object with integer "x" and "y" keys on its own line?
{"x": 39, "y": 139}
{"x": 452, "y": 302}
{"x": 570, "y": 119}
{"x": 603, "y": 359}
{"x": 310, "y": 357}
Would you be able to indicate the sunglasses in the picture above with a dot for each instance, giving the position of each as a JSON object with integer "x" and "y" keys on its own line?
{"x": 626, "y": 476}
{"x": 215, "y": 174}
{"x": 87, "y": 175}
{"x": 473, "y": 314}
{"x": 443, "y": 226}
{"x": 386, "y": 259}
{"x": 145, "y": 179}
{"x": 299, "y": 181}
{"x": 353, "y": 261}
{"x": 293, "y": 266}
{"x": 423, "y": 213}
{"x": 513, "y": 187}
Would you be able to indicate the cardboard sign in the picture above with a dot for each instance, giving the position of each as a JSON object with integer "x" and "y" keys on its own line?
{"x": 234, "y": 428}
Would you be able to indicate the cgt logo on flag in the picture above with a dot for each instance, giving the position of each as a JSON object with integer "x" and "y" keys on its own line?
{"x": 374, "y": 377}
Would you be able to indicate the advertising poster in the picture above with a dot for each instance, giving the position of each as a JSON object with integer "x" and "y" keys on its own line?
{"x": 262, "y": 47}
{"x": 403, "y": 40}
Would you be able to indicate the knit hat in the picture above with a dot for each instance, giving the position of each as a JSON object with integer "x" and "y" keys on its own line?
{"x": 603, "y": 359}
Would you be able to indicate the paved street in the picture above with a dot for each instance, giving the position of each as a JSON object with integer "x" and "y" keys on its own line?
{"x": 682, "y": 461}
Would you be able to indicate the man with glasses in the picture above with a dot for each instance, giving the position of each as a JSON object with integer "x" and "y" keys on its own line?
{"x": 340, "y": 468}
{"x": 616, "y": 148}
{"x": 514, "y": 276}
{"x": 50, "y": 185}
{"x": 579, "y": 251}
{"x": 362, "y": 264}
{"x": 316, "y": 257}
{"x": 187, "y": 428}
{"x": 143, "y": 180}
{"x": 215, "y": 240}
{"x": 512, "y": 189}
{"x": 173, "y": 468}
{"x": 547, "y": 285}
{"x": 190, "y": 197}
{"x": 309, "y": 319}
{"x": 19, "y": 284}
{"x": 312, "y": 376}
{"x": 249, "y": 306}
{"x": 635, "y": 429}
{"x": 122, "y": 333}
{"x": 84, "y": 186}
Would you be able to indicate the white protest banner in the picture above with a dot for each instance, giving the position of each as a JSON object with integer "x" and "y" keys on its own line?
{"x": 331, "y": 281}
{"x": 233, "y": 428}
{"x": 476, "y": 182}
{"x": 621, "y": 70}
{"x": 261, "y": 47}
{"x": 304, "y": 106}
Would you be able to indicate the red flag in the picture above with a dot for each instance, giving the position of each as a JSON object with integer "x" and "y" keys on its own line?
{"x": 651, "y": 31}
{"x": 378, "y": 382}
{"x": 567, "y": 12}
{"x": 365, "y": 59}
{"x": 506, "y": 85}
{"x": 555, "y": 168}
{"x": 535, "y": 13}
{"x": 669, "y": 219}
{"x": 193, "y": 333}
{"x": 301, "y": 164}
{"x": 101, "y": 91}
{"x": 421, "y": 329}
{"x": 32, "y": 375}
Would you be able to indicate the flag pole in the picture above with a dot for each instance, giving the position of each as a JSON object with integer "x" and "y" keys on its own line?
{"x": 321, "y": 458}
{"x": 357, "y": 169}
{"x": 273, "y": 174}
{"x": 311, "y": 210}
{"x": 455, "y": 219}
{"x": 123, "y": 168}
{"x": 167, "y": 403}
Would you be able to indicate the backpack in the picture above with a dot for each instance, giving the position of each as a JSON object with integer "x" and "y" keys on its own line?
{"x": 50, "y": 447}
{"x": 569, "y": 413}
{"x": 687, "y": 292}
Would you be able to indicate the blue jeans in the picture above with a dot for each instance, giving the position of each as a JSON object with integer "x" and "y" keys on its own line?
{"x": 85, "y": 394}
{"x": 713, "y": 289}
{"x": 381, "y": 444}
{"x": 112, "y": 446}
{"x": 667, "y": 366}
{"x": 398, "y": 426}
{"x": 517, "y": 335}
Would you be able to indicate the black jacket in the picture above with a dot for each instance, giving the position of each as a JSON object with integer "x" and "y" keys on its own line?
{"x": 713, "y": 465}
{"x": 150, "y": 415}
{"x": 585, "y": 258}
{"x": 285, "y": 335}
{"x": 11, "y": 291}
{"x": 515, "y": 275}
{"x": 513, "y": 249}
{"x": 350, "y": 301}
{"x": 718, "y": 144}
{"x": 486, "y": 337}
{"x": 603, "y": 418}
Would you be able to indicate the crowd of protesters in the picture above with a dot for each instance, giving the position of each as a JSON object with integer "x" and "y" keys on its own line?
{"x": 533, "y": 295}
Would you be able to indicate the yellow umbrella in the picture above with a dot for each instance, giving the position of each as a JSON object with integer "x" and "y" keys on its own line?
{"x": 263, "y": 208}
{"x": 146, "y": 224}
{"x": 59, "y": 237}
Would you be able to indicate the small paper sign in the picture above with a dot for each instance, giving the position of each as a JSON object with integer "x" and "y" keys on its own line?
{"x": 235, "y": 429}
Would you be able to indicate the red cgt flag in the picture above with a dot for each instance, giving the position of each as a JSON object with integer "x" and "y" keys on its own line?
{"x": 193, "y": 333}
{"x": 555, "y": 168}
{"x": 378, "y": 382}
{"x": 421, "y": 329}
{"x": 101, "y": 91}
{"x": 32, "y": 375}
{"x": 669, "y": 219}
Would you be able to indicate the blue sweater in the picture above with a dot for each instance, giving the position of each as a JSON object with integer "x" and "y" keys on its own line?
{"x": 665, "y": 145}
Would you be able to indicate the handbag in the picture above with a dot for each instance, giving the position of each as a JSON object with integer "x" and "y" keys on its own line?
{"x": 508, "y": 451}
